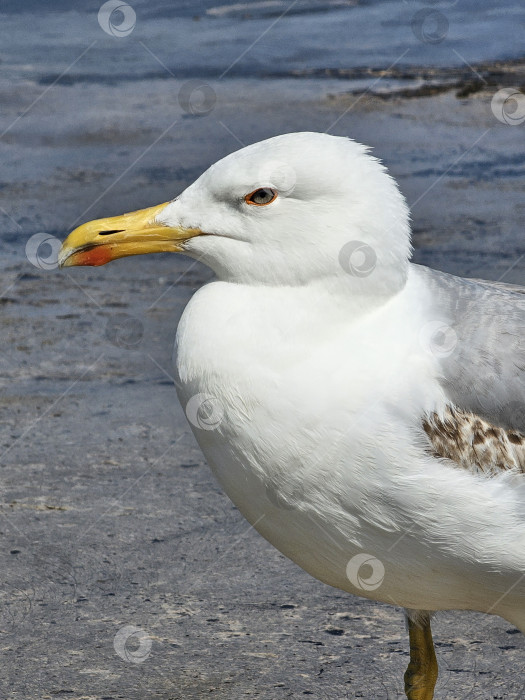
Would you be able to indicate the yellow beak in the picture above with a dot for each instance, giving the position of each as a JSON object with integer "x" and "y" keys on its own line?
{"x": 100, "y": 241}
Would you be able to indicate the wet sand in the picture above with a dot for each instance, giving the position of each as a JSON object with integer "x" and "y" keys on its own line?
{"x": 110, "y": 516}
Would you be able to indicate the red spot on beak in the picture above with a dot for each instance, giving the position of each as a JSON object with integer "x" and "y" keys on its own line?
{"x": 99, "y": 255}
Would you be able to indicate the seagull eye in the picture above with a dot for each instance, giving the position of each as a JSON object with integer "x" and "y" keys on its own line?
{"x": 261, "y": 197}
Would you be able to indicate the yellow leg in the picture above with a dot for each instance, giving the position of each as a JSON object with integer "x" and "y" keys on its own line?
{"x": 422, "y": 672}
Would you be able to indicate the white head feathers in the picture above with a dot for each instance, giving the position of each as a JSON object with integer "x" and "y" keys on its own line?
{"x": 337, "y": 215}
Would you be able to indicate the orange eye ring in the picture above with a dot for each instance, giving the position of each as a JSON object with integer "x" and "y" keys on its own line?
{"x": 261, "y": 197}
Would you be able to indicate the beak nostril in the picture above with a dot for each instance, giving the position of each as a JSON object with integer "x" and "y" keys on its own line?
{"x": 107, "y": 233}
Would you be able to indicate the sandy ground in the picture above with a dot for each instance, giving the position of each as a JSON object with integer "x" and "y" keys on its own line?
{"x": 110, "y": 517}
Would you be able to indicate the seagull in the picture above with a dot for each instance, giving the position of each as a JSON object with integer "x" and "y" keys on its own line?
{"x": 365, "y": 414}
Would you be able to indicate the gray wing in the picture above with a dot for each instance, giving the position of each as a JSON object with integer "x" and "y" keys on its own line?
{"x": 483, "y": 363}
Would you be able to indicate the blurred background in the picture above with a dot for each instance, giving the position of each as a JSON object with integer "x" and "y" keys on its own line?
{"x": 126, "y": 572}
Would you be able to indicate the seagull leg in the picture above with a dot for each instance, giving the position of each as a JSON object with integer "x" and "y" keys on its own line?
{"x": 422, "y": 672}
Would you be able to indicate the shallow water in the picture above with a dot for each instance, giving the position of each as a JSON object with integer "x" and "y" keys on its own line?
{"x": 92, "y": 100}
{"x": 252, "y": 39}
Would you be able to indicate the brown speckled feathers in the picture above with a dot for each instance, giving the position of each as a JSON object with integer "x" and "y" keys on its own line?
{"x": 473, "y": 443}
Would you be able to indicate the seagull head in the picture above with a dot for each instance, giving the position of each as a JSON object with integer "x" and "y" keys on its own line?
{"x": 285, "y": 211}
